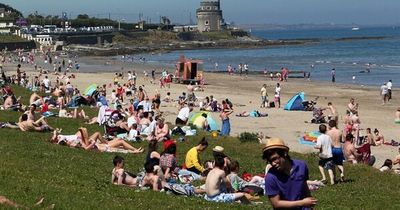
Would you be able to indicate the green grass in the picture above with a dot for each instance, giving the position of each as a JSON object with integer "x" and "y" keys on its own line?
{"x": 31, "y": 167}
{"x": 10, "y": 38}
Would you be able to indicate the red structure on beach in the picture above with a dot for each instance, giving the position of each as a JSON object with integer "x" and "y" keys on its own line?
{"x": 189, "y": 70}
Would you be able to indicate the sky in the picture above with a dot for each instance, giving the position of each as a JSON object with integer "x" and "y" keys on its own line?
{"x": 363, "y": 12}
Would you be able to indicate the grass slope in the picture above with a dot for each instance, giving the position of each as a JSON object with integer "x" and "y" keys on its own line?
{"x": 30, "y": 168}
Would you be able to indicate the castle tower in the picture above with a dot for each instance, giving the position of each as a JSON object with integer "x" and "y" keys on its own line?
{"x": 209, "y": 16}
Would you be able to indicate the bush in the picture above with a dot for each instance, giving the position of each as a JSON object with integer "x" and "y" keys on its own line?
{"x": 248, "y": 137}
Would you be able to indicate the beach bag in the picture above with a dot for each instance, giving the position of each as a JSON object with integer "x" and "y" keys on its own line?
{"x": 271, "y": 104}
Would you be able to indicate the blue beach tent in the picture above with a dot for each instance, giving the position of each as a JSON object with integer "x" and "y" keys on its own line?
{"x": 295, "y": 103}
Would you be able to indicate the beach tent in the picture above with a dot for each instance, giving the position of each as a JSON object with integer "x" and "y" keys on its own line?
{"x": 210, "y": 120}
{"x": 295, "y": 103}
{"x": 90, "y": 90}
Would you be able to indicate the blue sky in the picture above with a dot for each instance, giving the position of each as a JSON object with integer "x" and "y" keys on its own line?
{"x": 366, "y": 12}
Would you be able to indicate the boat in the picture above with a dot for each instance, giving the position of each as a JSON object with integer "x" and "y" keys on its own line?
{"x": 355, "y": 28}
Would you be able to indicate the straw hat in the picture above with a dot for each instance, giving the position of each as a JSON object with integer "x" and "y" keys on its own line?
{"x": 275, "y": 143}
{"x": 218, "y": 149}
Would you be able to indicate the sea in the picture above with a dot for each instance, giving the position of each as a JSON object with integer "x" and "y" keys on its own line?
{"x": 350, "y": 52}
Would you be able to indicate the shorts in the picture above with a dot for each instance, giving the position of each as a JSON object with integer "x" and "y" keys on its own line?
{"x": 221, "y": 198}
{"x": 326, "y": 163}
{"x": 338, "y": 156}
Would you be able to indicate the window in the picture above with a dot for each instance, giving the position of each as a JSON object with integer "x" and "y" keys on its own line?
{"x": 207, "y": 23}
{"x": 208, "y": 8}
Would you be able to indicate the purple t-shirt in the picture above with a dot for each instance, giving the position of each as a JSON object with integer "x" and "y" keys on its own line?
{"x": 290, "y": 188}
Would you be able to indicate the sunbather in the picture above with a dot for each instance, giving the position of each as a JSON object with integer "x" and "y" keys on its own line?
{"x": 121, "y": 177}
{"x": 254, "y": 113}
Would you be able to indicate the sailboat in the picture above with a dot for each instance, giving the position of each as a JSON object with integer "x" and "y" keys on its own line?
{"x": 355, "y": 28}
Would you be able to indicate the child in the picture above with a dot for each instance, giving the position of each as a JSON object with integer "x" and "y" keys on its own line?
{"x": 387, "y": 165}
{"x": 122, "y": 177}
{"x": 216, "y": 185}
{"x": 151, "y": 179}
{"x": 133, "y": 133}
{"x": 238, "y": 183}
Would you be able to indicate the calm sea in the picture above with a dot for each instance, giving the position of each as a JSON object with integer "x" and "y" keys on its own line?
{"x": 349, "y": 58}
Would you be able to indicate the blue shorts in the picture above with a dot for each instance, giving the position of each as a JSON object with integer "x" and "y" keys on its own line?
{"x": 338, "y": 156}
{"x": 221, "y": 198}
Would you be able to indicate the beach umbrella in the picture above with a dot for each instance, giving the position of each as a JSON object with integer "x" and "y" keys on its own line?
{"x": 90, "y": 90}
{"x": 210, "y": 120}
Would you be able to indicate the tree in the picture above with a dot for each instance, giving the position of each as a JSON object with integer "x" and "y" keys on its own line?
{"x": 83, "y": 16}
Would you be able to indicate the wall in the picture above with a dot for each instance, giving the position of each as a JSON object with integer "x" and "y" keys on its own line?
{"x": 18, "y": 45}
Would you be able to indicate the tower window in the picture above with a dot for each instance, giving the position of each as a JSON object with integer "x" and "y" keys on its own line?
{"x": 206, "y": 23}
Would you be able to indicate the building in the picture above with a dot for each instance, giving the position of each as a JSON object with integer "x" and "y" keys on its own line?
{"x": 2, "y": 12}
{"x": 209, "y": 16}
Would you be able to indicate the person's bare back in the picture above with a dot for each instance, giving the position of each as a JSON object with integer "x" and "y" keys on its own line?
{"x": 214, "y": 180}
{"x": 336, "y": 136}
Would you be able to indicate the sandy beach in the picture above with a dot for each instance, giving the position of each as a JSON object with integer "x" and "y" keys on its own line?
{"x": 245, "y": 95}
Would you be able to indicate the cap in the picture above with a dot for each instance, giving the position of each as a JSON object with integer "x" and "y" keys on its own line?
{"x": 275, "y": 143}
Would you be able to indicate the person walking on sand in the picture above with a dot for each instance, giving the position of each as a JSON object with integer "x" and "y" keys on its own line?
{"x": 384, "y": 93}
{"x": 389, "y": 86}
{"x": 278, "y": 95}
{"x": 264, "y": 96}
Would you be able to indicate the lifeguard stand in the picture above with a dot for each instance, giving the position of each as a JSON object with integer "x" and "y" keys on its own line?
{"x": 188, "y": 70}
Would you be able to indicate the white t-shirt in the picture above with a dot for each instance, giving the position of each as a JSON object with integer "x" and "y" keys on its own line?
{"x": 46, "y": 82}
{"x": 184, "y": 113}
{"x": 384, "y": 89}
{"x": 131, "y": 121}
{"x": 278, "y": 91}
{"x": 132, "y": 135}
{"x": 325, "y": 142}
{"x": 146, "y": 106}
{"x": 389, "y": 85}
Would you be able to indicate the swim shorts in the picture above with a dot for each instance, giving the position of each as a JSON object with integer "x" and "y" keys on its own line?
{"x": 338, "y": 156}
{"x": 221, "y": 198}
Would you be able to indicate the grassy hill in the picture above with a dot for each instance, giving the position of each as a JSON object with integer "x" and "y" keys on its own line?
{"x": 31, "y": 167}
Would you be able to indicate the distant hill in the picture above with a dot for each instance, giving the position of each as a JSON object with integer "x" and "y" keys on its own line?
{"x": 14, "y": 13}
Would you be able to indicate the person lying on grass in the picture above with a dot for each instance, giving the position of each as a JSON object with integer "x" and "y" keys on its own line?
{"x": 26, "y": 124}
{"x": 122, "y": 177}
{"x": 81, "y": 139}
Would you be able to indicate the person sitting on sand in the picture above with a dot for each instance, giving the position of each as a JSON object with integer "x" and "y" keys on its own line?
{"x": 369, "y": 137}
{"x": 183, "y": 115}
{"x": 349, "y": 151}
{"x": 379, "y": 138}
{"x": 387, "y": 166}
{"x": 217, "y": 185}
{"x": 254, "y": 113}
{"x": 397, "y": 116}
{"x": 201, "y": 122}
{"x": 121, "y": 177}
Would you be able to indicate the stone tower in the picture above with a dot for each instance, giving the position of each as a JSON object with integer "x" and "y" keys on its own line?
{"x": 209, "y": 16}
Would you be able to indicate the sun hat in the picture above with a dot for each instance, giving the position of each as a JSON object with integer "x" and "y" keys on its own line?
{"x": 218, "y": 149}
{"x": 275, "y": 143}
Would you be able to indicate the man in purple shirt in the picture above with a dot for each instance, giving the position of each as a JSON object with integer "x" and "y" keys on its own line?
{"x": 286, "y": 182}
